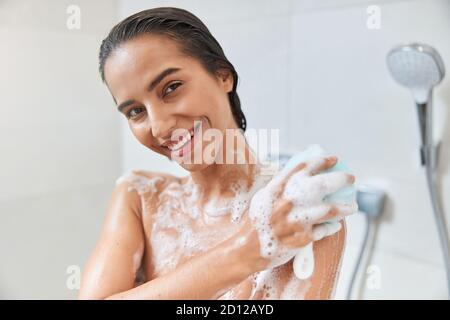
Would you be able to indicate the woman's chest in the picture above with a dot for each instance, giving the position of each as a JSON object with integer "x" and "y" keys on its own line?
{"x": 179, "y": 227}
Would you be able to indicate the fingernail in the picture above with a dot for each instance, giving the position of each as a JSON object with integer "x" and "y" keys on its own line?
{"x": 351, "y": 178}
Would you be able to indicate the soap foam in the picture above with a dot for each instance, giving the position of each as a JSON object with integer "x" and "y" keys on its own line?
{"x": 140, "y": 183}
{"x": 177, "y": 230}
{"x": 295, "y": 289}
{"x": 164, "y": 247}
{"x": 229, "y": 295}
{"x": 179, "y": 211}
{"x": 239, "y": 202}
{"x": 176, "y": 233}
{"x": 266, "y": 283}
{"x": 302, "y": 194}
{"x": 326, "y": 229}
{"x": 308, "y": 195}
{"x": 304, "y": 260}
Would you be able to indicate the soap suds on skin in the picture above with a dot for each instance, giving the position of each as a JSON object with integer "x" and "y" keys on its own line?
{"x": 326, "y": 229}
{"x": 140, "y": 183}
{"x": 295, "y": 289}
{"x": 266, "y": 284}
{"x": 307, "y": 194}
{"x": 178, "y": 225}
{"x": 178, "y": 230}
{"x": 302, "y": 193}
{"x": 229, "y": 295}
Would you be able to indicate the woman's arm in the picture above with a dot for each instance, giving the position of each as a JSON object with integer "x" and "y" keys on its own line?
{"x": 328, "y": 254}
{"x": 110, "y": 272}
{"x": 205, "y": 276}
{"x": 113, "y": 264}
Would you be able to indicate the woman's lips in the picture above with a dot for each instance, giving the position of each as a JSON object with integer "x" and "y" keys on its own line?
{"x": 182, "y": 140}
{"x": 189, "y": 145}
{"x": 185, "y": 141}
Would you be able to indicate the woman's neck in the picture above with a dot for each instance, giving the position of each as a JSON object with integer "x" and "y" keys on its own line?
{"x": 218, "y": 179}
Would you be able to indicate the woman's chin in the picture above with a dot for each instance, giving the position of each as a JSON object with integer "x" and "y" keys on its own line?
{"x": 196, "y": 159}
{"x": 189, "y": 164}
{"x": 194, "y": 167}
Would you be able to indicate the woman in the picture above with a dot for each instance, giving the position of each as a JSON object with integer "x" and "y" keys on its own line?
{"x": 166, "y": 237}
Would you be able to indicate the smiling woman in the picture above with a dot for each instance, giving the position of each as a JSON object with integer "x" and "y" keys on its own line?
{"x": 166, "y": 237}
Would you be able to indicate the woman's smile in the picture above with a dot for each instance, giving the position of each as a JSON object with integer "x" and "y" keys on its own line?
{"x": 184, "y": 142}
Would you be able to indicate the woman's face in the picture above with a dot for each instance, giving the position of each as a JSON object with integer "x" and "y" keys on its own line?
{"x": 163, "y": 93}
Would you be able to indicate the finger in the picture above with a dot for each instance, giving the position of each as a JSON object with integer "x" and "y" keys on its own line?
{"x": 320, "y": 164}
{"x": 279, "y": 182}
{"x": 282, "y": 208}
{"x": 308, "y": 215}
{"x": 281, "y": 177}
{"x": 332, "y": 181}
{"x": 307, "y": 168}
{"x": 277, "y": 219}
{"x": 298, "y": 239}
{"x": 279, "y": 222}
{"x": 321, "y": 213}
{"x": 284, "y": 230}
{"x": 313, "y": 165}
{"x": 325, "y": 229}
{"x": 338, "y": 211}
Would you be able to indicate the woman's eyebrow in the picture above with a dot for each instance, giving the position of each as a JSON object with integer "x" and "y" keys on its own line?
{"x": 161, "y": 76}
{"x": 125, "y": 104}
{"x": 152, "y": 85}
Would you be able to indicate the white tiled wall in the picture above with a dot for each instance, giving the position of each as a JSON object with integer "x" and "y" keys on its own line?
{"x": 59, "y": 142}
{"x": 314, "y": 70}
{"x": 348, "y": 102}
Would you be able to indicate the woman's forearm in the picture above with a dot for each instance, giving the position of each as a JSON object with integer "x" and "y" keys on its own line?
{"x": 328, "y": 254}
{"x": 205, "y": 276}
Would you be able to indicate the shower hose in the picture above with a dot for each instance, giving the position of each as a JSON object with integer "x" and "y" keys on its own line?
{"x": 440, "y": 223}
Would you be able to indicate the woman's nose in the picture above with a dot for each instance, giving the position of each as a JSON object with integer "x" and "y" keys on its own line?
{"x": 161, "y": 123}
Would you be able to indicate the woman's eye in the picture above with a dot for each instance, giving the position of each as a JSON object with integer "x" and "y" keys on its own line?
{"x": 172, "y": 88}
{"x": 132, "y": 113}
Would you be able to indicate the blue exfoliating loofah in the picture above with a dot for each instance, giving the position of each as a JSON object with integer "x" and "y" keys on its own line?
{"x": 344, "y": 195}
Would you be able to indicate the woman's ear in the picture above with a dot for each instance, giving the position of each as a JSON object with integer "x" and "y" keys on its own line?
{"x": 226, "y": 79}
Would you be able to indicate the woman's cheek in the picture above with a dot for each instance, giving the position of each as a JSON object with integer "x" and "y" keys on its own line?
{"x": 143, "y": 136}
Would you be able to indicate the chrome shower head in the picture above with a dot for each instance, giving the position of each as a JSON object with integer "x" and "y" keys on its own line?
{"x": 418, "y": 67}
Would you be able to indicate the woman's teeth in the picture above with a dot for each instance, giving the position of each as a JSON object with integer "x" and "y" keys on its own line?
{"x": 184, "y": 139}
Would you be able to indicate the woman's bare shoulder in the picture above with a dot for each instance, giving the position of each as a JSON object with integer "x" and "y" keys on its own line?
{"x": 135, "y": 189}
{"x": 145, "y": 182}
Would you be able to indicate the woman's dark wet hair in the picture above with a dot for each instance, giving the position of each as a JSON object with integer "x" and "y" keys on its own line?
{"x": 191, "y": 35}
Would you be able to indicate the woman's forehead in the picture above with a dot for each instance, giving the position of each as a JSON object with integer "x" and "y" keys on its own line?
{"x": 143, "y": 53}
{"x": 132, "y": 65}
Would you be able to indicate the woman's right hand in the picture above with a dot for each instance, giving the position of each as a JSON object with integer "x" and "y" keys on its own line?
{"x": 289, "y": 212}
